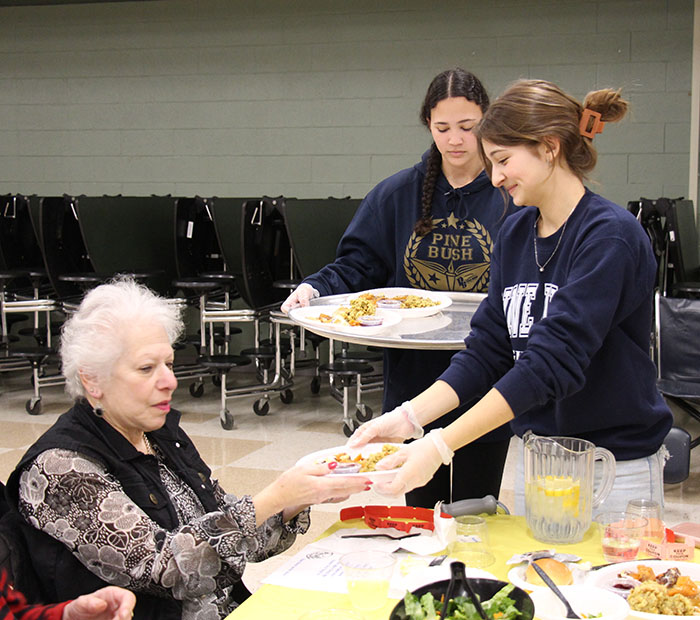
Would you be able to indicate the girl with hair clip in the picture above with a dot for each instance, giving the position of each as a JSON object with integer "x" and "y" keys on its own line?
{"x": 562, "y": 340}
{"x": 431, "y": 226}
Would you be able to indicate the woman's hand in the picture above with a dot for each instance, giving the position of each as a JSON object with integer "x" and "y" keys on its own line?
{"x": 394, "y": 426}
{"x": 110, "y": 603}
{"x": 300, "y": 297}
{"x": 304, "y": 485}
{"x": 417, "y": 462}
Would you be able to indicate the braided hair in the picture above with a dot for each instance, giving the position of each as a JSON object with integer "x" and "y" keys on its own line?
{"x": 451, "y": 83}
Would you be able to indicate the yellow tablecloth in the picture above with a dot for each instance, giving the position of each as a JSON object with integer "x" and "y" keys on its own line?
{"x": 508, "y": 535}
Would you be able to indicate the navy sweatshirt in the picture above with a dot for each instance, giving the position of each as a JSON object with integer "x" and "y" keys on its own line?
{"x": 379, "y": 248}
{"x": 568, "y": 348}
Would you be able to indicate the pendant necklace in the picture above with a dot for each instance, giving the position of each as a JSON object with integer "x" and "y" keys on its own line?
{"x": 556, "y": 247}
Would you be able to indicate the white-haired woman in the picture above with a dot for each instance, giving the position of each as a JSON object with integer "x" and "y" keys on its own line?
{"x": 116, "y": 493}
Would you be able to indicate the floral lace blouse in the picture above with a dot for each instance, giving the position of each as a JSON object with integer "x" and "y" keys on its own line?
{"x": 76, "y": 501}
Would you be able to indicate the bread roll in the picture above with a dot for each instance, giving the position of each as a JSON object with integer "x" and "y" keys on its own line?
{"x": 558, "y": 572}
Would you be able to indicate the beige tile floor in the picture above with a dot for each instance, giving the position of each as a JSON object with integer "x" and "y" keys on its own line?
{"x": 251, "y": 455}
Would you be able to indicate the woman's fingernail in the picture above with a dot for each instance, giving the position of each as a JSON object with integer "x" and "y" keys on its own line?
{"x": 332, "y": 464}
{"x": 368, "y": 488}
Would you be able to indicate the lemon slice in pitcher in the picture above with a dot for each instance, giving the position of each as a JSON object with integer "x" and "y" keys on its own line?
{"x": 563, "y": 487}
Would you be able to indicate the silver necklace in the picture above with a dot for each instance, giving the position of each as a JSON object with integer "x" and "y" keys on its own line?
{"x": 556, "y": 247}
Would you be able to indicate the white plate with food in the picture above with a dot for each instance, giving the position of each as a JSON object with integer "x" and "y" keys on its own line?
{"x": 410, "y": 303}
{"x": 621, "y": 578}
{"x": 562, "y": 573}
{"x": 587, "y": 601}
{"x": 337, "y": 319}
{"x": 348, "y": 459}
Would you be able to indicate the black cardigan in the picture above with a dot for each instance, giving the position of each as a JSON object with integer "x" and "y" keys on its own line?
{"x": 61, "y": 574}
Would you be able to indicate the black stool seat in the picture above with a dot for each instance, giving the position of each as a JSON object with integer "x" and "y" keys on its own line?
{"x": 7, "y": 276}
{"x": 144, "y": 275}
{"x": 360, "y": 356}
{"x": 37, "y": 276}
{"x": 345, "y": 370}
{"x": 35, "y": 355}
{"x": 84, "y": 281}
{"x": 36, "y": 273}
{"x": 196, "y": 284}
{"x": 264, "y": 353}
{"x": 83, "y": 278}
{"x": 223, "y": 363}
{"x": 267, "y": 350}
{"x": 289, "y": 285}
{"x": 222, "y": 277}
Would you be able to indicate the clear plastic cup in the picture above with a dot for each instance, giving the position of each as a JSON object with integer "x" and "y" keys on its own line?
{"x": 472, "y": 543}
{"x": 621, "y": 535}
{"x": 651, "y": 511}
{"x": 367, "y": 575}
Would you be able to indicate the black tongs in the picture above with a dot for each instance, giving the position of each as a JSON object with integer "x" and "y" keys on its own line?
{"x": 458, "y": 585}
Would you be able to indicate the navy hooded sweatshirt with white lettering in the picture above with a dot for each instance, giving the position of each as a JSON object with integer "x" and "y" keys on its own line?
{"x": 380, "y": 249}
{"x": 568, "y": 347}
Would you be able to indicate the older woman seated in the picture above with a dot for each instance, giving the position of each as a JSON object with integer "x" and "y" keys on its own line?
{"x": 116, "y": 493}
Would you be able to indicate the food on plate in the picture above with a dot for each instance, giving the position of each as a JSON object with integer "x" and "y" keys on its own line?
{"x": 362, "y": 310}
{"x": 653, "y": 598}
{"x": 360, "y": 307}
{"x": 499, "y": 607}
{"x": 668, "y": 592}
{"x": 366, "y": 463}
{"x": 405, "y": 302}
{"x": 557, "y": 571}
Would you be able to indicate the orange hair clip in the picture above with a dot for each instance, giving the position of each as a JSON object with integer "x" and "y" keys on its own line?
{"x": 592, "y": 118}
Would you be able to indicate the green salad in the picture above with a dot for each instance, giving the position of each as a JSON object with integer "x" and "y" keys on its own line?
{"x": 426, "y": 607}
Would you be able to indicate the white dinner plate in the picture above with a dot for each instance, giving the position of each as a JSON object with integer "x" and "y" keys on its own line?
{"x": 605, "y": 576}
{"x": 321, "y": 456}
{"x": 516, "y": 576}
{"x": 308, "y": 316}
{"x": 411, "y": 313}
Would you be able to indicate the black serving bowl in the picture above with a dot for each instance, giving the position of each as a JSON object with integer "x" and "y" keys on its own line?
{"x": 483, "y": 588}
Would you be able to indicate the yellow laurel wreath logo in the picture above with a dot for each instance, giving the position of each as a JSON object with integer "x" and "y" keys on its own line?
{"x": 455, "y": 276}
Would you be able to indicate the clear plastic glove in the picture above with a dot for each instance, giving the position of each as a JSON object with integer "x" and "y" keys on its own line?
{"x": 316, "y": 484}
{"x": 394, "y": 426}
{"x": 300, "y": 297}
{"x": 109, "y": 603}
{"x": 417, "y": 462}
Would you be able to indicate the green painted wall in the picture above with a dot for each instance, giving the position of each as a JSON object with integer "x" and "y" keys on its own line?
{"x": 313, "y": 98}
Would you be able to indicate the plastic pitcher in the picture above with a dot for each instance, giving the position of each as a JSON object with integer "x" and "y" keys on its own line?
{"x": 559, "y": 478}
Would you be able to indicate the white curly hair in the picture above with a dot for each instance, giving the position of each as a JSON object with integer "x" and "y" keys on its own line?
{"x": 92, "y": 339}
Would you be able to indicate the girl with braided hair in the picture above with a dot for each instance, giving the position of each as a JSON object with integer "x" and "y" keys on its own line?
{"x": 431, "y": 227}
{"x": 560, "y": 346}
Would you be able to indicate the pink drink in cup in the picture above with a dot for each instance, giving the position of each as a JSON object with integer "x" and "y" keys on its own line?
{"x": 621, "y": 535}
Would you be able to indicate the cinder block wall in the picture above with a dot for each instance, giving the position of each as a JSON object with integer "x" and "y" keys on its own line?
{"x": 313, "y": 98}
